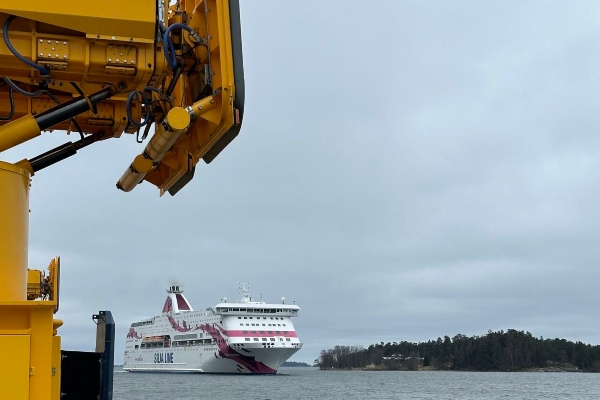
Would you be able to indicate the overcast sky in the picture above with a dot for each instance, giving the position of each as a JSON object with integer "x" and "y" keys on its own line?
{"x": 406, "y": 170}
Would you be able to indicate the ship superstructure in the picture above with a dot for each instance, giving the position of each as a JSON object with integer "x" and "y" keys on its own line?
{"x": 246, "y": 337}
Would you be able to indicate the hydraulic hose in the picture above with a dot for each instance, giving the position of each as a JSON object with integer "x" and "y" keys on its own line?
{"x": 23, "y": 92}
{"x": 170, "y": 47}
{"x": 43, "y": 70}
{"x": 133, "y": 96}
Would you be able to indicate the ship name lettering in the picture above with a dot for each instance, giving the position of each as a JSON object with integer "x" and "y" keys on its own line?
{"x": 163, "y": 358}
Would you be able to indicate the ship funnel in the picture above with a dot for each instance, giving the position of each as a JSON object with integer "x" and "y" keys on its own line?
{"x": 176, "y": 301}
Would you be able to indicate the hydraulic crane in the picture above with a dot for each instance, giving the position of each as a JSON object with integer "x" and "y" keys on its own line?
{"x": 169, "y": 74}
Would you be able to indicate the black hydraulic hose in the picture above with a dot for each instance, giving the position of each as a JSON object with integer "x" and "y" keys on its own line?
{"x": 43, "y": 70}
{"x": 176, "y": 76}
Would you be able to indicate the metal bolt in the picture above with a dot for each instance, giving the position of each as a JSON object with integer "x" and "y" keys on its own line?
{"x": 49, "y": 55}
{"x": 117, "y": 60}
{"x": 41, "y": 54}
{"x": 65, "y": 57}
{"x": 121, "y": 54}
{"x": 124, "y": 61}
{"x": 110, "y": 46}
{"x": 110, "y": 60}
{"x": 133, "y": 62}
{"x": 65, "y": 43}
{"x": 49, "y": 41}
{"x": 57, "y": 42}
{"x": 56, "y": 56}
{"x": 41, "y": 40}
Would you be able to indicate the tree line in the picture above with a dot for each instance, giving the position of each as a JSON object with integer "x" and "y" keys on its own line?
{"x": 496, "y": 351}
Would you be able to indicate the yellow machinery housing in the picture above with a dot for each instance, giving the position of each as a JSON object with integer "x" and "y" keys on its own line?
{"x": 172, "y": 75}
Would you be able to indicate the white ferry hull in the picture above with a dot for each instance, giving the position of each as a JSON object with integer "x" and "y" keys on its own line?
{"x": 262, "y": 361}
{"x": 232, "y": 338}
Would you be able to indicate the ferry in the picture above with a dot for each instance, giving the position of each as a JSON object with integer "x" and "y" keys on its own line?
{"x": 242, "y": 337}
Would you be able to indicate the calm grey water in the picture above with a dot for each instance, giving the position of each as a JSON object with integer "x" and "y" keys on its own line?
{"x": 311, "y": 383}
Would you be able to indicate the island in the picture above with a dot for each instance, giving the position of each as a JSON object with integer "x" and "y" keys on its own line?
{"x": 509, "y": 350}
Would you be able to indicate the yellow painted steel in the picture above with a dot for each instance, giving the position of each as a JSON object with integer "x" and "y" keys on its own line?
{"x": 27, "y": 331}
{"x": 110, "y": 42}
{"x": 18, "y": 131}
{"x": 178, "y": 119}
{"x": 131, "y": 18}
{"x": 34, "y": 284}
{"x": 56, "y": 359}
{"x": 14, "y": 234}
{"x": 15, "y": 373}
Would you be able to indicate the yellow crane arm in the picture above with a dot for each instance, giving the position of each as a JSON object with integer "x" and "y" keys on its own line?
{"x": 110, "y": 67}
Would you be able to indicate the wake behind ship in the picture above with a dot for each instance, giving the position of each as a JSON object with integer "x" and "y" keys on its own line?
{"x": 244, "y": 337}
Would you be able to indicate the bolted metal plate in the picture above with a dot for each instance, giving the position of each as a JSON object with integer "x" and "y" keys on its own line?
{"x": 52, "y": 49}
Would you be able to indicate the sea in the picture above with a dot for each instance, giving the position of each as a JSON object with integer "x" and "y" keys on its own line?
{"x": 312, "y": 383}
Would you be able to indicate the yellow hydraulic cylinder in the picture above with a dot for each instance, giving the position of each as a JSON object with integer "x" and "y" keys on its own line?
{"x": 18, "y": 131}
{"x": 14, "y": 231}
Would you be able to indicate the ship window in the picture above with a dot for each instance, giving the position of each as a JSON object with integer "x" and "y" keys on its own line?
{"x": 253, "y": 331}
{"x": 263, "y": 324}
{"x": 247, "y": 339}
{"x": 256, "y": 339}
{"x": 264, "y": 339}
{"x": 285, "y": 332}
{"x": 244, "y": 331}
{"x": 250, "y": 317}
{"x": 272, "y": 339}
{"x": 287, "y": 339}
{"x": 270, "y": 331}
{"x": 239, "y": 317}
{"x": 278, "y": 332}
{"x": 283, "y": 324}
{"x": 262, "y": 331}
{"x": 245, "y": 317}
{"x": 137, "y": 346}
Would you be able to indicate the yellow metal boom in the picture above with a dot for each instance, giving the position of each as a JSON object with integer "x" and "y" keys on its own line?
{"x": 128, "y": 64}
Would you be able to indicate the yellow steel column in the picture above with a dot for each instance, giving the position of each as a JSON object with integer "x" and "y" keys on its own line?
{"x": 14, "y": 231}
